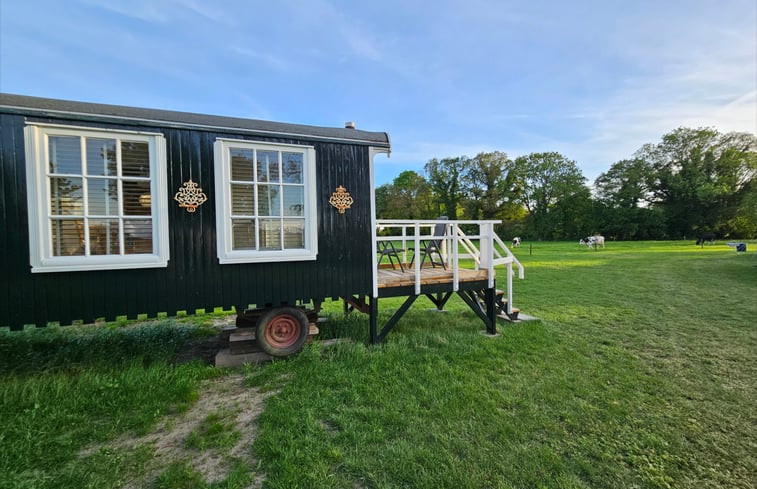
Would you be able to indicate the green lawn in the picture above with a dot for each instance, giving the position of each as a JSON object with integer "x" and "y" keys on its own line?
{"x": 641, "y": 373}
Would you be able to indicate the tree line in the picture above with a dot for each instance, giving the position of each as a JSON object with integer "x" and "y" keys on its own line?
{"x": 693, "y": 181}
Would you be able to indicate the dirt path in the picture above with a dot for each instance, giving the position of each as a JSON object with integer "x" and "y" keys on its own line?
{"x": 227, "y": 401}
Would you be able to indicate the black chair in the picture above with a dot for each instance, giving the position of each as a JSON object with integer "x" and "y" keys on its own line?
{"x": 431, "y": 247}
{"x": 387, "y": 249}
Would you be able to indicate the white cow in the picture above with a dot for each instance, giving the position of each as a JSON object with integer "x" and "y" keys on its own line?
{"x": 593, "y": 241}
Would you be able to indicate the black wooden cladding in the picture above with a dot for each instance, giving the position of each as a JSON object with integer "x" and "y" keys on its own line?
{"x": 193, "y": 278}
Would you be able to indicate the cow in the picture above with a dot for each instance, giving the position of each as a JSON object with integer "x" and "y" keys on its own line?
{"x": 594, "y": 241}
{"x": 516, "y": 241}
{"x": 706, "y": 238}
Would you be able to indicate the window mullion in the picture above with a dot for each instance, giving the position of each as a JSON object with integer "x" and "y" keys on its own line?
{"x": 256, "y": 212}
{"x": 59, "y": 231}
{"x": 108, "y": 220}
{"x": 51, "y": 223}
{"x": 85, "y": 194}
{"x": 281, "y": 198}
{"x": 119, "y": 200}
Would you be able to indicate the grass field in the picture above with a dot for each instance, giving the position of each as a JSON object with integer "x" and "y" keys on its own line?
{"x": 641, "y": 373}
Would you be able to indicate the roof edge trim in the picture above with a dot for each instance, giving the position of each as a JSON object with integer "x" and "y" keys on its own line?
{"x": 215, "y": 123}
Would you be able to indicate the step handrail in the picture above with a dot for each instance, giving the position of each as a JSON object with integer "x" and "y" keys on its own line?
{"x": 498, "y": 240}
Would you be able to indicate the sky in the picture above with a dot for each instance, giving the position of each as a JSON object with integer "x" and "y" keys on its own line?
{"x": 593, "y": 80}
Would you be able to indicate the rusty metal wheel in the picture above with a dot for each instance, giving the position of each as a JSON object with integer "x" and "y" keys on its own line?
{"x": 282, "y": 331}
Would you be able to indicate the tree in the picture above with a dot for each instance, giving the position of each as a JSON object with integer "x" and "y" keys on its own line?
{"x": 485, "y": 185}
{"x": 490, "y": 188}
{"x": 700, "y": 178}
{"x": 623, "y": 196}
{"x": 383, "y": 197}
{"x": 444, "y": 176}
{"x": 744, "y": 223}
{"x": 625, "y": 185}
{"x": 553, "y": 190}
{"x": 407, "y": 197}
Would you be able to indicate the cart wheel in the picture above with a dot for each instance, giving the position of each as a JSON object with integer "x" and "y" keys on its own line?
{"x": 282, "y": 331}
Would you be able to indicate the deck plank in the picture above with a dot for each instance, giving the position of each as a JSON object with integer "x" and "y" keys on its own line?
{"x": 429, "y": 276}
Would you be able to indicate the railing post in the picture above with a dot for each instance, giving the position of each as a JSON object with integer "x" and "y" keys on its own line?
{"x": 509, "y": 288}
{"x": 404, "y": 244}
{"x": 455, "y": 259}
{"x": 417, "y": 258}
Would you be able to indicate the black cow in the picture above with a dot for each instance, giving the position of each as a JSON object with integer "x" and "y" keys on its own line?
{"x": 706, "y": 238}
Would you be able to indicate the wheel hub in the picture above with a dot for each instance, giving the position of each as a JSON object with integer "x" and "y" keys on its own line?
{"x": 282, "y": 331}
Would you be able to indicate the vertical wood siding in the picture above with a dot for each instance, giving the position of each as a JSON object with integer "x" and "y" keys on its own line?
{"x": 193, "y": 279}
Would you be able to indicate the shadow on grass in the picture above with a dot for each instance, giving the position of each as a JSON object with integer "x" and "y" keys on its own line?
{"x": 54, "y": 347}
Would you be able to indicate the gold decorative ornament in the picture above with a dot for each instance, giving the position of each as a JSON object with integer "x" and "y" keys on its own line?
{"x": 341, "y": 199}
{"x": 190, "y": 196}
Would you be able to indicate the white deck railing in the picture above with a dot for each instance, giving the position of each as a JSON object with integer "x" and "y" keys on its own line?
{"x": 485, "y": 248}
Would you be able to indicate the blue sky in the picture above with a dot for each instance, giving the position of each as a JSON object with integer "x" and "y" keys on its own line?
{"x": 593, "y": 80}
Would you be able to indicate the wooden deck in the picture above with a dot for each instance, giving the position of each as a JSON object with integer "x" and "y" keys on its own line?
{"x": 388, "y": 277}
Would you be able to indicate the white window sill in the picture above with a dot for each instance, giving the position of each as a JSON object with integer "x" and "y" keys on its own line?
{"x": 75, "y": 264}
{"x": 265, "y": 257}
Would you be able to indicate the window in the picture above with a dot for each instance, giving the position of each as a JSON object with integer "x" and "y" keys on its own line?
{"x": 266, "y": 202}
{"x": 96, "y": 199}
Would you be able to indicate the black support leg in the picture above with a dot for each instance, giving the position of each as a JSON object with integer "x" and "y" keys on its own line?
{"x": 396, "y": 317}
{"x": 484, "y": 311}
{"x": 373, "y": 318}
{"x": 440, "y": 299}
{"x": 491, "y": 312}
{"x": 377, "y": 335}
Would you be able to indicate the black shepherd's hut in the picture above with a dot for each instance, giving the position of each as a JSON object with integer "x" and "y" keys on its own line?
{"x": 110, "y": 210}
{"x": 118, "y": 211}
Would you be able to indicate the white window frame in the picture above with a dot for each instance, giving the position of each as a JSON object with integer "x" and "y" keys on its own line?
{"x": 42, "y": 260}
{"x": 226, "y": 254}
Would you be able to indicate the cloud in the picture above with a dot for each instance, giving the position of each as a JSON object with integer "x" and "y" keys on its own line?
{"x": 688, "y": 78}
{"x": 161, "y": 12}
{"x": 143, "y": 10}
{"x": 276, "y": 62}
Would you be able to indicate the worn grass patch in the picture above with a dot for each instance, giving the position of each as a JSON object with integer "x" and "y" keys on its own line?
{"x": 107, "y": 407}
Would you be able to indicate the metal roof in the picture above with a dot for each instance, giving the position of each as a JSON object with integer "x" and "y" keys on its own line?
{"x": 45, "y": 107}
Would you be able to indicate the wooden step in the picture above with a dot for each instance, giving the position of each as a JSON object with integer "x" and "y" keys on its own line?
{"x": 243, "y": 341}
{"x": 512, "y": 317}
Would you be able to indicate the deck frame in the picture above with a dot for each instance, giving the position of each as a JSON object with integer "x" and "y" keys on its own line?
{"x": 439, "y": 294}
{"x": 469, "y": 261}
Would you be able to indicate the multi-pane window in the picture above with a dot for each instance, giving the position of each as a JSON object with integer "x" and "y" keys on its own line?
{"x": 266, "y": 212}
{"x": 92, "y": 199}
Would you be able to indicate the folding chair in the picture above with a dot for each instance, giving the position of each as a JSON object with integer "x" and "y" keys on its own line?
{"x": 431, "y": 247}
{"x": 387, "y": 249}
